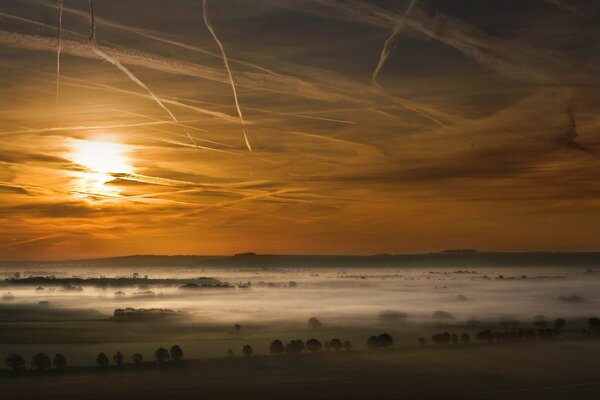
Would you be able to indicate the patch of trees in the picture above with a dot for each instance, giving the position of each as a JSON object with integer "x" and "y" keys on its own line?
{"x": 143, "y": 314}
{"x": 133, "y": 281}
{"x": 448, "y": 338}
{"x": 382, "y": 341}
{"x": 297, "y": 346}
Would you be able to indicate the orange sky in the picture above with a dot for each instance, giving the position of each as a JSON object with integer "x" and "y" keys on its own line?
{"x": 481, "y": 130}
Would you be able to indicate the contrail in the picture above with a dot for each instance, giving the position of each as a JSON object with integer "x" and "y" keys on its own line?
{"x": 391, "y": 41}
{"x": 226, "y": 63}
{"x": 107, "y": 57}
{"x": 60, "y": 4}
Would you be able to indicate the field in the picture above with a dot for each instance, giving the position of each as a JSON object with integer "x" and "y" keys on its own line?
{"x": 559, "y": 370}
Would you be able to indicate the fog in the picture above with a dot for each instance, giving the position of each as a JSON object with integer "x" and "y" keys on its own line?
{"x": 341, "y": 297}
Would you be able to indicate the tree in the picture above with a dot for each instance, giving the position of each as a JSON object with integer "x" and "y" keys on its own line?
{"x": 118, "y": 357}
{"x": 373, "y": 342}
{"x": 347, "y": 345}
{"x": 314, "y": 323}
{"x": 230, "y": 353}
{"x": 421, "y": 341}
{"x": 559, "y": 323}
{"x": 336, "y": 344}
{"x": 162, "y": 355}
{"x": 454, "y": 338}
{"x": 137, "y": 359}
{"x": 485, "y": 336}
{"x": 102, "y": 360}
{"x": 295, "y": 347}
{"x": 276, "y": 347}
{"x": 465, "y": 338}
{"x": 438, "y": 339}
{"x": 313, "y": 345}
{"x": 15, "y": 362}
{"x": 247, "y": 350}
{"x": 176, "y": 353}
{"x": 385, "y": 341}
{"x": 41, "y": 361}
{"x": 446, "y": 338}
{"x": 594, "y": 325}
{"x": 237, "y": 328}
{"x": 59, "y": 362}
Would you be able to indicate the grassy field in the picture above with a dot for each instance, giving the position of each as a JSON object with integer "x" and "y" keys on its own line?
{"x": 541, "y": 370}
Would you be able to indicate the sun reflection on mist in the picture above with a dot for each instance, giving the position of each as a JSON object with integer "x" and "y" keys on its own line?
{"x": 101, "y": 159}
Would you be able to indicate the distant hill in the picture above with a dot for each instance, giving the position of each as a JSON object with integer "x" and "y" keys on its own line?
{"x": 458, "y": 259}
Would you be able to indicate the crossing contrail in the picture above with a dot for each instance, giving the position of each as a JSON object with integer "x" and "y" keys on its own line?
{"x": 226, "y": 63}
{"x": 107, "y": 57}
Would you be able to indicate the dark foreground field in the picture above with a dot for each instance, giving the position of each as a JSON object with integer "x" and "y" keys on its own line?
{"x": 563, "y": 370}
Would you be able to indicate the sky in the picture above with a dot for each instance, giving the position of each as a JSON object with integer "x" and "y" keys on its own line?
{"x": 361, "y": 127}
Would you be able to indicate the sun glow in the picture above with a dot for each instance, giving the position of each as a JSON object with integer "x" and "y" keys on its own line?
{"x": 101, "y": 159}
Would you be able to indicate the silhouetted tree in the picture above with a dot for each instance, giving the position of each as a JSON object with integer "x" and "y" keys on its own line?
{"x": 59, "y": 361}
{"x": 237, "y": 328}
{"x": 15, "y": 362}
{"x": 137, "y": 359}
{"x": 446, "y": 338}
{"x": 247, "y": 350}
{"x": 465, "y": 338}
{"x": 347, "y": 345}
{"x": 118, "y": 358}
{"x": 385, "y": 340}
{"x": 336, "y": 344}
{"x": 559, "y": 323}
{"x": 373, "y": 342}
{"x": 455, "y": 338}
{"x": 314, "y": 323}
{"x": 41, "y": 361}
{"x": 230, "y": 353}
{"x": 437, "y": 339}
{"x": 421, "y": 341}
{"x": 276, "y": 347}
{"x": 594, "y": 325}
{"x": 313, "y": 345}
{"x": 294, "y": 347}
{"x": 485, "y": 336}
{"x": 176, "y": 353}
{"x": 162, "y": 355}
{"x": 102, "y": 360}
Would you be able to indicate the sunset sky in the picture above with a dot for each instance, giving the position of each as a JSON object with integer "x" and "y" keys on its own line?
{"x": 480, "y": 129}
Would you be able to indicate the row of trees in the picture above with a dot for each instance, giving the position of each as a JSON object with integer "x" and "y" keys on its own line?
{"x": 313, "y": 345}
{"x": 41, "y": 361}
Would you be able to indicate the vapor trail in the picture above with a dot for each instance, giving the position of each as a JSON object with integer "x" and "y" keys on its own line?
{"x": 60, "y": 4}
{"x": 107, "y": 57}
{"x": 226, "y": 63}
{"x": 390, "y": 42}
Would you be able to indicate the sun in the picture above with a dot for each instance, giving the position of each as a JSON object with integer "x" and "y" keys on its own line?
{"x": 101, "y": 159}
